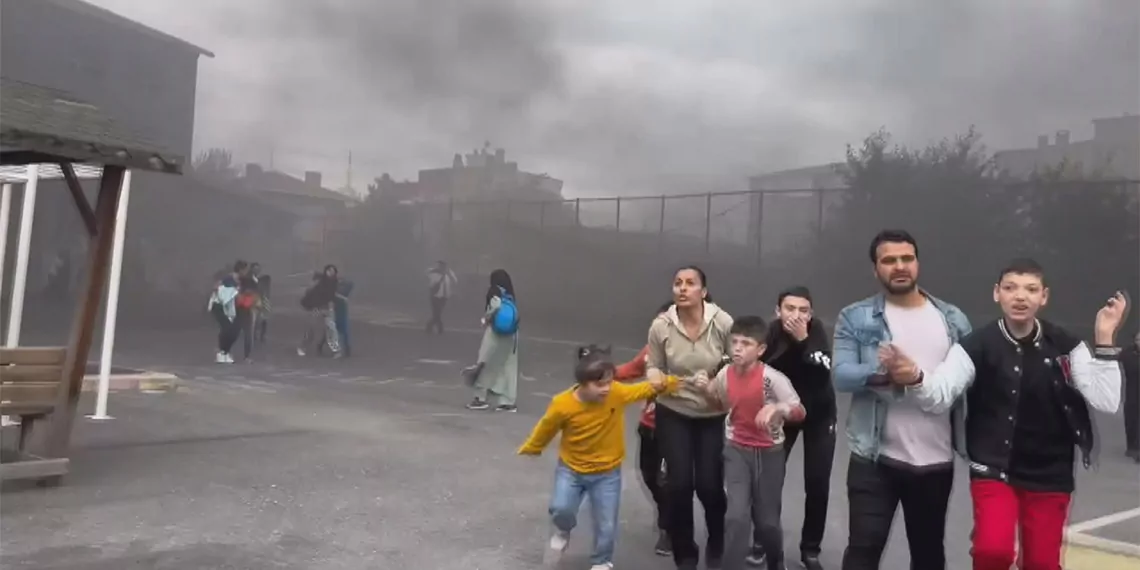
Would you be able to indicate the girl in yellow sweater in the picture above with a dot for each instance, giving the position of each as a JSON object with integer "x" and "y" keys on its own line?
{"x": 591, "y": 417}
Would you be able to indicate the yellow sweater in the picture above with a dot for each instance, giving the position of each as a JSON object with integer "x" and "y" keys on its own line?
{"x": 593, "y": 433}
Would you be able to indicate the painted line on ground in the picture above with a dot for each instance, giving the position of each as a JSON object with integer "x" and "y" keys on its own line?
{"x": 1103, "y": 545}
{"x": 1081, "y": 558}
{"x": 435, "y": 361}
{"x": 1104, "y": 521}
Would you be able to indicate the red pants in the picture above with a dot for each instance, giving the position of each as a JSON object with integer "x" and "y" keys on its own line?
{"x": 1000, "y": 511}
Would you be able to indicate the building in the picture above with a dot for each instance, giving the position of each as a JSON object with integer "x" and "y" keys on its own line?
{"x": 318, "y": 210}
{"x": 1113, "y": 151}
{"x": 478, "y": 176}
{"x": 144, "y": 79}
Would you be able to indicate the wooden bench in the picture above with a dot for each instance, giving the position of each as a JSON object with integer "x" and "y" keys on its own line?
{"x": 31, "y": 385}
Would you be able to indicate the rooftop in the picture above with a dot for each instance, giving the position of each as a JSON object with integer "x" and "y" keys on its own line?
{"x": 88, "y": 9}
{"x": 39, "y": 124}
{"x": 276, "y": 181}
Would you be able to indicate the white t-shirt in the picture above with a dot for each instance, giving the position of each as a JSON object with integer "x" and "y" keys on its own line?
{"x": 912, "y": 436}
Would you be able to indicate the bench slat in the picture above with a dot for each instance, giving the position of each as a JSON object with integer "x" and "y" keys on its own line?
{"x": 19, "y": 373}
{"x": 29, "y": 393}
{"x": 33, "y": 468}
{"x": 26, "y": 409}
{"x": 36, "y": 355}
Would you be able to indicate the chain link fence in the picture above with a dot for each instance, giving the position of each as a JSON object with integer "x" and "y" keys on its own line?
{"x": 607, "y": 262}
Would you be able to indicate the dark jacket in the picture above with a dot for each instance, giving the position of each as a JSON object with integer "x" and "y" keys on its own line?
{"x": 321, "y": 294}
{"x": 808, "y": 365}
{"x": 1023, "y": 414}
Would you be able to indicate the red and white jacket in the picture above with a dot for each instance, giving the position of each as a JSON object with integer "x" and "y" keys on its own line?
{"x": 634, "y": 371}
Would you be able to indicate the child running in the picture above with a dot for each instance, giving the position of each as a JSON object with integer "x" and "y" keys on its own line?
{"x": 759, "y": 399}
{"x": 591, "y": 418}
{"x": 649, "y": 458}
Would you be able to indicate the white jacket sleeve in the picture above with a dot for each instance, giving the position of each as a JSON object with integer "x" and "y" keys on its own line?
{"x": 1098, "y": 380}
{"x": 943, "y": 386}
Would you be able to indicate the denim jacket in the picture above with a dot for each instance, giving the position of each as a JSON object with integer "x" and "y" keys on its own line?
{"x": 859, "y": 329}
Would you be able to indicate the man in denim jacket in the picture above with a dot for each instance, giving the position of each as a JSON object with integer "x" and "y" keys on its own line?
{"x": 899, "y": 453}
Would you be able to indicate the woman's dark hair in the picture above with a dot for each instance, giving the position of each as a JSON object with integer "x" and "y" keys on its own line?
{"x": 701, "y": 274}
{"x": 594, "y": 363}
{"x": 328, "y": 267}
{"x": 500, "y": 281}
{"x": 664, "y": 307}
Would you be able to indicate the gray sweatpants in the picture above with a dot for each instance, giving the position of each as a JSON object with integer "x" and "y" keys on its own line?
{"x": 754, "y": 483}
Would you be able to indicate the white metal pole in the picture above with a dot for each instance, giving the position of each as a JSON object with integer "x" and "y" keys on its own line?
{"x": 5, "y": 211}
{"x": 23, "y": 249}
{"x": 112, "y": 301}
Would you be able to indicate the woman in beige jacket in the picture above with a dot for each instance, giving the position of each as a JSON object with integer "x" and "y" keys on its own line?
{"x": 688, "y": 340}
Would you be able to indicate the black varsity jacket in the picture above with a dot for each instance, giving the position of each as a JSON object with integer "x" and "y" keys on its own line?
{"x": 1027, "y": 401}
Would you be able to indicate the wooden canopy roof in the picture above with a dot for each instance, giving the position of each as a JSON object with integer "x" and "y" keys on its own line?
{"x": 43, "y": 125}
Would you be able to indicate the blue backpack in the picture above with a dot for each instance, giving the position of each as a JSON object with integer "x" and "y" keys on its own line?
{"x": 505, "y": 321}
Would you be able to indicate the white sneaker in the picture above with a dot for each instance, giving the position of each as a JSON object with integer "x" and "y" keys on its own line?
{"x": 229, "y": 359}
{"x": 220, "y": 358}
{"x": 559, "y": 542}
{"x": 603, "y": 566}
{"x": 300, "y": 352}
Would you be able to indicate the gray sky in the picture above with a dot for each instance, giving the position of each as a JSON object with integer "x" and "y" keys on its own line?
{"x": 641, "y": 96}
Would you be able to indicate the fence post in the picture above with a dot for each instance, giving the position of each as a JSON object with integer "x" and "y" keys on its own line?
{"x": 617, "y": 217}
{"x": 819, "y": 218}
{"x": 760, "y": 228}
{"x": 708, "y": 223}
{"x": 450, "y": 223}
{"x": 577, "y": 212}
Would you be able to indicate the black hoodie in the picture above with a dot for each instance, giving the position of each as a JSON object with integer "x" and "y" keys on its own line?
{"x": 808, "y": 365}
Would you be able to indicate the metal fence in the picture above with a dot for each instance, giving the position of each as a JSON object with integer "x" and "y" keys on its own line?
{"x": 595, "y": 262}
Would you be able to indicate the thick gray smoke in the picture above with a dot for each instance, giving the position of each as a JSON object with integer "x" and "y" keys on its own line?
{"x": 643, "y": 97}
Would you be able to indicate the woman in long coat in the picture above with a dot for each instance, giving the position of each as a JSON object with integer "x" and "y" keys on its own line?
{"x": 496, "y": 372}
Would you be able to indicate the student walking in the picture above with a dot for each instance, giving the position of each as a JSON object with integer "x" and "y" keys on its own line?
{"x": 1130, "y": 364}
{"x": 441, "y": 284}
{"x": 799, "y": 347}
{"x": 1028, "y": 386}
{"x": 496, "y": 372}
{"x": 318, "y": 300}
{"x": 222, "y": 306}
{"x": 900, "y": 454}
{"x": 591, "y": 420}
{"x": 691, "y": 339}
{"x": 759, "y": 399}
{"x": 650, "y": 460}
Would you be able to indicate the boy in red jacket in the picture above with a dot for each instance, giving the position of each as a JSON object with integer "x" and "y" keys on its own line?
{"x": 649, "y": 457}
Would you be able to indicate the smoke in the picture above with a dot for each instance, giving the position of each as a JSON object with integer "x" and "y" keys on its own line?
{"x": 640, "y": 96}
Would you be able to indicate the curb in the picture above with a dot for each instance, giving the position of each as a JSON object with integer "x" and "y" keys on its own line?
{"x": 1084, "y": 551}
{"x": 141, "y": 382}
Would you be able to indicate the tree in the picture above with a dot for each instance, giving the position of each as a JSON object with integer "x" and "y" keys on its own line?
{"x": 215, "y": 164}
{"x": 379, "y": 187}
{"x": 970, "y": 220}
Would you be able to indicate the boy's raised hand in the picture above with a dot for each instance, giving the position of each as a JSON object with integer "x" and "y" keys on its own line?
{"x": 1110, "y": 317}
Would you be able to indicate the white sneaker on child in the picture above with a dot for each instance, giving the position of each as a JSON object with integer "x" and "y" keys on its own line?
{"x": 603, "y": 566}
{"x": 559, "y": 542}
{"x": 220, "y": 358}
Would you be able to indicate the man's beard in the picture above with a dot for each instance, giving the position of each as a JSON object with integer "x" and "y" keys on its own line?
{"x": 898, "y": 289}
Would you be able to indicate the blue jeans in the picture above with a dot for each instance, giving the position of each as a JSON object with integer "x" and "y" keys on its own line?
{"x": 604, "y": 490}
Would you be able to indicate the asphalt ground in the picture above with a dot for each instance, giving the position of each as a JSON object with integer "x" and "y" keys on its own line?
{"x": 372, "y": 462}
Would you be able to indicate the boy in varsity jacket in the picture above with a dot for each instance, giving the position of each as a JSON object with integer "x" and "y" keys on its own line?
{"x": 1028, "y": 386}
